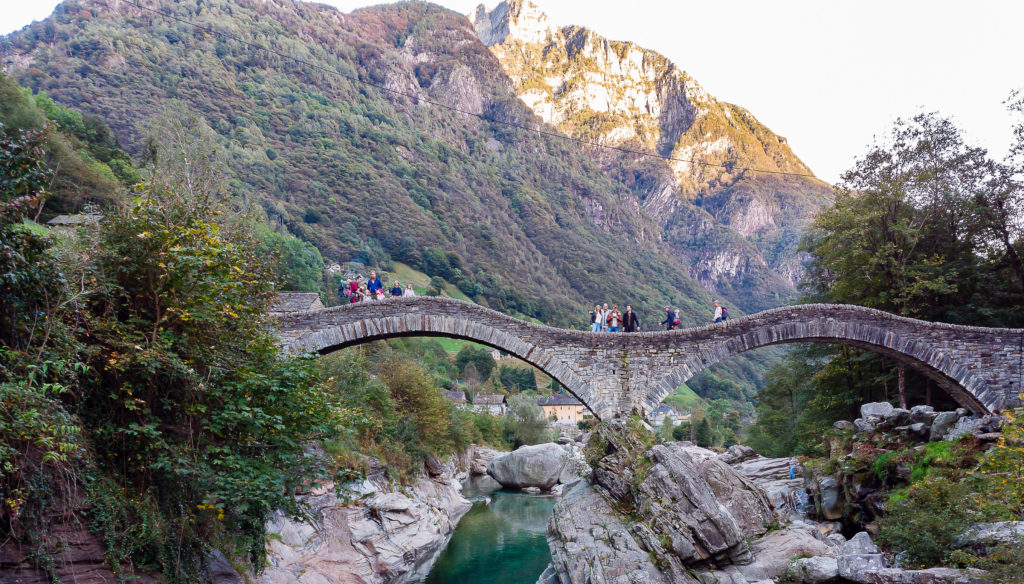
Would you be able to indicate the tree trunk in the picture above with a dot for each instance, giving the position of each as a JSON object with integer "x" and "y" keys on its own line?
{"x": 900, "y": 371}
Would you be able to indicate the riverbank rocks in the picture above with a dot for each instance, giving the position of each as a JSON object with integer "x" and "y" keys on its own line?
{"x": 540, "y": 466}
{"x": 390, "y": 531}
{"x": 480, "y": 458}
{"x": 862, "y": 562}
{"x": 814, "y": 570}
{"x": 772, "y": 556}
{"x": 982, "y": 536}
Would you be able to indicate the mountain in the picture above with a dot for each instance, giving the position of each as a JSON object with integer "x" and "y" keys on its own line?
{"x": 735, "y": 229}
{"x": 343, "y": 135}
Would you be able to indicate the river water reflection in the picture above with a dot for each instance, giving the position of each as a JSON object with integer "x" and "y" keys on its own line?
{"x": 501, "y": 543}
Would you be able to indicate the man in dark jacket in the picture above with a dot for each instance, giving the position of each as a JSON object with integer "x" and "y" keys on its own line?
{"x": 670, "y": 319}
{"x": 630, "y": 323}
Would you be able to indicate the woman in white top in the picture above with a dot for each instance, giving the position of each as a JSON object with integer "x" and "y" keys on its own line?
{"x": 408, "y": 291}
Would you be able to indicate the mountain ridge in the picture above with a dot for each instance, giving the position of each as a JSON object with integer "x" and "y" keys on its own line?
{"x": 621, "y": 94}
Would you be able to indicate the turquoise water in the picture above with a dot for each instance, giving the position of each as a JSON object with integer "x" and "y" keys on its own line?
{"x": 498, "y": 543}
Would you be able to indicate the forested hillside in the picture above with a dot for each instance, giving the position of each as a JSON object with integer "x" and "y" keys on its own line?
{"x": 517, "y": 221}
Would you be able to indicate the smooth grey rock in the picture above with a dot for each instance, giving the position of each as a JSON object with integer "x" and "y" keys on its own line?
{"x": 858, "y": 556}
{"x": 737, "y": 453}
{"x": 220, "y": 570}
{"x": 921, "y": 414}
{"x": 843, "y": 425}
{"x": 984, "y": 535}
{"x": 590, "y": 543}
{"x": 835, "y": 540}
{"x": 377, "y": 539}
{"x": 480, "y": 458}
{"x": 773, "y": 553}
{"x": 878, "y": 409}
{"x": 829, "y": 499}
{"x": 919, "y": 429}
{"x": 531, "y": 490}
{"x": 814, "y": 570}
{"x": 968, "y": 425}
{"x": 942, "y": 423}
{"x": 549, "y": 576}
{"x": 897, "y": 416}
{"x": 863, "y": 425}
{"x": 540, "y": 466}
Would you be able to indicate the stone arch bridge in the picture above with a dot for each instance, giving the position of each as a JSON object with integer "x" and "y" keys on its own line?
{"x": 621, "y": 373}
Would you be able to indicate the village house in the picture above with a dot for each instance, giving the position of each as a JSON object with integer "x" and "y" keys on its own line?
{"x": 491, "y": 403}
{"x": 563, "y": 408}
{"x": 457, "y": 398}
{"x": 666, "y": 414}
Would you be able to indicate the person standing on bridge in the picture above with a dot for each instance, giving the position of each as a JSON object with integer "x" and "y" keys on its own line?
{"x": 671, "y": 318}
{"x": 614, "y": 319}
{"x": 630, "y": 323}
{"x": 595, "y": 319}
{"x": 408, "y": 290}
{"x": 604, "y": 317}
{"x": 374, "y": 284}
{"x": 396, "y": 289}
{"x": 718, "y": 312}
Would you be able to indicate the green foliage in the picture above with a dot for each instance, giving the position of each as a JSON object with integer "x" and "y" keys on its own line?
{"x": 526, "y": 421}
{"x": 517, "y": 378}
{"x": 702, "y": 433}
{"x": 480, "y": 357}
{"x": 299, "y": 265}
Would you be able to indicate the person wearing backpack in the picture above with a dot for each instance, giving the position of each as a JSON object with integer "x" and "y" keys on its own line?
{"x": 725, "y": 313}
{"x": 671, "y": 318}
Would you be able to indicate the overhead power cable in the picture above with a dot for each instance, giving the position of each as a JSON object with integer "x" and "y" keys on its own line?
{"x": 390, "y": 90}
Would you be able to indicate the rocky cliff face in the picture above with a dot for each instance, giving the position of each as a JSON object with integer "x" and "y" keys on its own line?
{"x": 379, "y": 532}
{"x": 736, "y": 229}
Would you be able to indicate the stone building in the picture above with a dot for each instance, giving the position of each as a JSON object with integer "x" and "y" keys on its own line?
{"x": 491, "y": 403}
{"x": 666, "y": 414}
{"x": 563, "y": 408}
{"x": 458, "y": 398}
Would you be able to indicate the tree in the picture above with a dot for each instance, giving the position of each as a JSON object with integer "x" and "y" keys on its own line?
{"x": 702, "y": 433}
{"x": 526, "y": 421}
{"x": 479, "y": 356}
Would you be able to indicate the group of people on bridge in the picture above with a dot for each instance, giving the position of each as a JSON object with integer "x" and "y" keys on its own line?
{"x": 354, "y": 290}
{"x": 603, "y": 319}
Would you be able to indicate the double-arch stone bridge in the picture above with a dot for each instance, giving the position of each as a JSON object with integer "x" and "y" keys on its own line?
{"x": 622, "y": 373}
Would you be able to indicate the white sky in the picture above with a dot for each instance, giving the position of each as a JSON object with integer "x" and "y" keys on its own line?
{"x": 826, "y": 74}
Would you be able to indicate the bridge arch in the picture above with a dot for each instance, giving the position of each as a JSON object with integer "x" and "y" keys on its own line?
{"x": 936, "y": 350}
{"x": 336, "y": 336}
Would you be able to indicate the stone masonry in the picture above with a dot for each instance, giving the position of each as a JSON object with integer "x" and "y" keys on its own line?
{"x": 622, "y": 373}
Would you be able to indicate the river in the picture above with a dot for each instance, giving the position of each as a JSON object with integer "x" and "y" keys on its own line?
{"x": 500, "y": 542}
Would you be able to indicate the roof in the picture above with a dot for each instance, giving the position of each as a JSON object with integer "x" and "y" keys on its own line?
{"x": 559, "y": 399}
{"x": 458, "y": 397}
{"x": 79, "y": 219}
{"x": 664, "y": 409}
{"x": 297, "y": 301}
{"x": 489, "y": 399}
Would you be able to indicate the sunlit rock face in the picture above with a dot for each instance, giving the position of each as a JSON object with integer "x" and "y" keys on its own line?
{"x": 620, "y": 94}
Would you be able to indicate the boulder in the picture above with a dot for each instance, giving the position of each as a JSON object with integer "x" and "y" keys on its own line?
{"x": 843, "y": 425}
{"x": 539, "y": 466}
{"x": 876, "y": 409}
{"x": 829, "y": 499}
{"x": 858, "y": 556}
{"x": 590, "y": 542}
{"x": 863, "y": 425}
{"x": 737, "y": 453}
{"x": 942, "y": 424}
{"x": 921, "y": 414}
{"x": 549, "y": 576}
{"x": 897, "y": 417}
{"x": 814, "y": 570}
{"x": 984, "y": 535}
{"x": 707, "y": 509}
{"x": 480, "y": 458}
{"x": 772, "y": 555}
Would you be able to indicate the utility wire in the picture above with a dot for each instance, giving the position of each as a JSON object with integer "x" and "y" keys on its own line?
{"x": 538, "y": 130}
